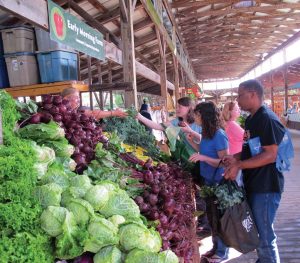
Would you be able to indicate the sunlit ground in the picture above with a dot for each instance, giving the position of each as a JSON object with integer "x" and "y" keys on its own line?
{"x": 206, "y": 245}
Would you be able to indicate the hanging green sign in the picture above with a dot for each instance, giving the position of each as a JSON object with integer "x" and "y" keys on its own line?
{"x": 67, "y": 29}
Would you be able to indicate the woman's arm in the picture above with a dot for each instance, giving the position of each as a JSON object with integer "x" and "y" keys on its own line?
{"x": 196, "y": 136}
{"x": 211, "y": 161}
{"x": 99, "y": 114}
{"x": 192, "y": 142}
{"x": 149, "y": 123}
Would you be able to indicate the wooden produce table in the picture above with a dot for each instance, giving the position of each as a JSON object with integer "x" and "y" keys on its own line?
{"x": 48, "y": 88}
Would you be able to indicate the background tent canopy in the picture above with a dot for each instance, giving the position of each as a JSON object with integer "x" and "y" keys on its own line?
{"x": 229, "y": 94}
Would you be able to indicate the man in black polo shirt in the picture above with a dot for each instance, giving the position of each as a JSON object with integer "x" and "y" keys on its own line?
{"x": 262, "y": 181}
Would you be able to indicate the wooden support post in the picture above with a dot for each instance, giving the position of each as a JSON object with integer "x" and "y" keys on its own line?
{"x": 78, "y": 67}
{"x": 163, "y": 67}
{"x": 1, "y": 132}
{"x": 128, "y": 54}
{"x": 100, "y": 81}
{"x": 176, "y": 79}
{"x": 182, "y": 78}
{"x": 286, "y": 87}
{"x": 90, "y": 81}
{"x": 110, "y": 81}
{"x": 272, "y": 91}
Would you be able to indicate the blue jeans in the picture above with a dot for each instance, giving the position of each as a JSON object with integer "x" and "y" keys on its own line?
{"x": 264, "y": 207}
{"x": 221, "y": 249}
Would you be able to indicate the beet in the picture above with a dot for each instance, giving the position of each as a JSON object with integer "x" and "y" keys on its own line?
{"x": 57, "y": 117}
{"x": 35, "y": 119}
{"x": 47, "y": 99}
{"x": 139, "y": 200}
{"x": 54, "y": 110}
{"x": 47, "y": 106}
{"x": 46, "y": 117}
{"x": 79, "y": 158}
{"x": 153, "y": 199}
{"x": 155, "y": 189}
{"x": 57, "y": 100}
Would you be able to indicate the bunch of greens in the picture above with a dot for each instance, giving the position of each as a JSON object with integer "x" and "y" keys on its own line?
{"x": 109, "y": 166}
{"x": 62, "y": 147}
{"x": 26, "y": 109}
{"x": 42, "y": 132}
{"x": 10, "y": 116}
{"x": 228, "y": 197}
{"x": 225, "y": 194}
{"x": 21, "y": 238}
{"x": 132, "y": 132}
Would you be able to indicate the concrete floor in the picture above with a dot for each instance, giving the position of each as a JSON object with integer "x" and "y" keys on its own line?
{"x": 287, "y": 224}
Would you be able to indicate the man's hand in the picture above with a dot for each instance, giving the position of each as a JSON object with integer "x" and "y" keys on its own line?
{"x": 229, "y": 160}
{"x": 232, "y": 167}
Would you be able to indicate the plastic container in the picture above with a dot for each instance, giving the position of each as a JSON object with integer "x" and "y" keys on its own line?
{"x": 1, "y": 47}
{"x": 4, "y": 83}
{"x": 44, "y": 42}
{"x": 22, "y": 69}
{"x": 18, "y": 39}
{"x": 57, "y": 66}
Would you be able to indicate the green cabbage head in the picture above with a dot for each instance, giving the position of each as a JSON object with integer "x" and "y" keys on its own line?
{"x": 109, "y": 254}
{"x": 134, "y": 235}
{"x": 49, "y": 194}
{"x": 52, "y": 220}
{"x": 102, "y": 233}
{"x": 141, "y": 256}
{"x": 81, "y": 209}
{"x": 68, "y": 244}
{"x": 97, "y": 196}
{"x": 168, "y": 256}
{"x": 117, "y": 220}
{"x": 79, "y": 185}
{"x": 120, "y": 203}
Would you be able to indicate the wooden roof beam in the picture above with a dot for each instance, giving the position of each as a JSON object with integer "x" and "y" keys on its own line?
{"x": 112, "y": 15}
{"x": 182, "y": 4}
{"x": 142, "y": 40}
{"x": 228, "y": 11}
{"x": 240, "y": 19}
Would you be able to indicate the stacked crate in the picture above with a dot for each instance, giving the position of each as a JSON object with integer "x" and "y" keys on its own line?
{"x": 4, "y": 83}
{"x": 19, "y": 54}
{"x": 57, "y": 62}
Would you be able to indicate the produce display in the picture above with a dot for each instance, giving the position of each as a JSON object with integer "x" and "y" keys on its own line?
{"x": 167, "y": 198}
{"x": 132, "y": 132}
{"x": 70, "y": 192}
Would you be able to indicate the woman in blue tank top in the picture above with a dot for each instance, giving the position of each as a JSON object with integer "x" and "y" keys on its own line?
{"x": 213, "y": 147}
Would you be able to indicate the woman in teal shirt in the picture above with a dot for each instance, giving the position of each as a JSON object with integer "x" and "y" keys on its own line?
{"x": 184, "y": 118}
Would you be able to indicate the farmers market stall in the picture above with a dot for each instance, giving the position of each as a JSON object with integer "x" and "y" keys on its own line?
{"x": 70, "y": 191}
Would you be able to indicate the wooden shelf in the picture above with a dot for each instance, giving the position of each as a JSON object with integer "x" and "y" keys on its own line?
{"x": 48, "y": 88}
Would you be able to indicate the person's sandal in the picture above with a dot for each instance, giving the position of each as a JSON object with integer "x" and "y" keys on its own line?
{"x": 209, "y": 253}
